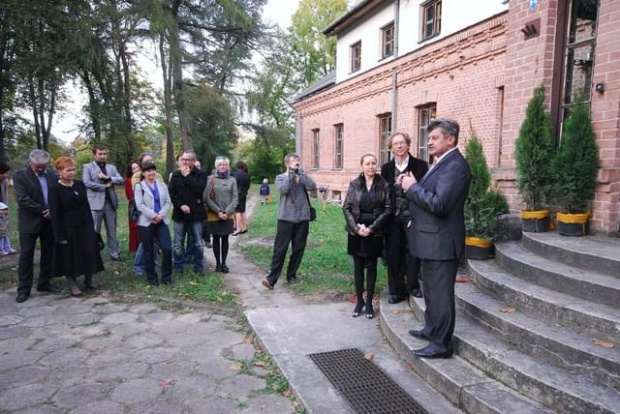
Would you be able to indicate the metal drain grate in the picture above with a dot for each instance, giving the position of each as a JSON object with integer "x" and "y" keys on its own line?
{"x": 366, "y": 388}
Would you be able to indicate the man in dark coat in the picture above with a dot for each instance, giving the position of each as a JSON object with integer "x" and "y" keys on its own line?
{"x": 399, "y": 261}
{"x": 32, "y": 186}
{"x": 186, "y": 192}
{"x": 437, "y": 233}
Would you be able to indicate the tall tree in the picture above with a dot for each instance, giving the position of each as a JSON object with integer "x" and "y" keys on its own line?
{"x": 315, "y": 54}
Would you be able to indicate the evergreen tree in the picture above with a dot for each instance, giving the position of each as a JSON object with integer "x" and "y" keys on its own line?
{"x": 534, "y": 152}
{"x": 576, "y": 165}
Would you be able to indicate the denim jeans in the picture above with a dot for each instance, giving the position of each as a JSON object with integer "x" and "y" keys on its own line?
{"x": 138, "y": 265}
{"x": 181, "y": 228}
{"x": 148, "y": 236}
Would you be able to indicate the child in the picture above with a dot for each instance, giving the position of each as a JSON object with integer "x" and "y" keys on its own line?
{"x": 5, "y": 243}
{"x": 264, "y": 192}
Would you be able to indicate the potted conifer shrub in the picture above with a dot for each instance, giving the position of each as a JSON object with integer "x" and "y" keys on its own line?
{"x": 482, "y": 205}
{"x": 575, "y": 168}
{"x": 534, "y": 152}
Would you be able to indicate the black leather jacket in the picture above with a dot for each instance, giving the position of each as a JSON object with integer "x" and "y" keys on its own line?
{"x": 382, "y": 209}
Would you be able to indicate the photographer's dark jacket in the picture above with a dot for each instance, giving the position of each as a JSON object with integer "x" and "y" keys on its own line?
{"x": 383, "y": 206}
{"x": 188, "y": 191}
{"x": 388, "y": 171}
{"x": 294, "y": 206}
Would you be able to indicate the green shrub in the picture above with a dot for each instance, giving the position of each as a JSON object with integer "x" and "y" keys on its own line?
{"x": 576, "y": 165}
{"x": 482, "y": 205}
{"x": 534, "y": 151}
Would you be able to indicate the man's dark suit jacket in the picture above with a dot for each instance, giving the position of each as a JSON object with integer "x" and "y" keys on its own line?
{"x": 29, "y": 197}
{"x": 436, "y": 206}
{"x": 416, "y": 165}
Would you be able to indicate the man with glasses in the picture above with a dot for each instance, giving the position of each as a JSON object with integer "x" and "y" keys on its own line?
{"x": 186, "y": 191}
{"x": 32, "y": 187}
{"x": 400, "y": 263}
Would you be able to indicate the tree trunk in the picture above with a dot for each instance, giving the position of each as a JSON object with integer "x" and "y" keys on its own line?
{"x": 167, "y": 107}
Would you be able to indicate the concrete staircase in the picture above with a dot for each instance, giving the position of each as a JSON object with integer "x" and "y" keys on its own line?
{"x": 538, "y": 330}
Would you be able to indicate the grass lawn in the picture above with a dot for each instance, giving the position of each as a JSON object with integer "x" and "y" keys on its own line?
{"x": 118, "y": 278}
{"x": 326, "y": 267}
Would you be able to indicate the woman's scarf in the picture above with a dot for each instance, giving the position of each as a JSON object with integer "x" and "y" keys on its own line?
{"x": 222, "y": 174}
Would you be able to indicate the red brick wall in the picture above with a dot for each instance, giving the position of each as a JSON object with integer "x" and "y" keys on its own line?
{"x": 462, "y": 74}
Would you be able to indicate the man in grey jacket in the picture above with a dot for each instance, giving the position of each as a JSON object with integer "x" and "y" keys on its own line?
{"x": 293, "y": 220}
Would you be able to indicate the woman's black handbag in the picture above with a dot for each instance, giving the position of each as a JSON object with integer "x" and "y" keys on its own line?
{"x": 100, "y": 243}
{"x": 134, "y": 213}
{"x": 312, "y": 209}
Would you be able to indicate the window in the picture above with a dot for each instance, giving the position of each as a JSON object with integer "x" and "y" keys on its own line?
{"x": 431, "y": 19}
{"x": 426, "y": 115}
{"x": 385, "y": 130}
{"x": 316, "y": 149}
{"x": 338, "y": 129}
{"x": 579, "y": 53}
{"x": 387, "y": 41}
{"x": 356, "y": 57}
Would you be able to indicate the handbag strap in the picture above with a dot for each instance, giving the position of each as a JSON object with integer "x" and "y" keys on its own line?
{"x": 307, "y": 196}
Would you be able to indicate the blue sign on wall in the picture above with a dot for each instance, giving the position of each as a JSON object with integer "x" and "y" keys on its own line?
{"x": 533, "y": 4}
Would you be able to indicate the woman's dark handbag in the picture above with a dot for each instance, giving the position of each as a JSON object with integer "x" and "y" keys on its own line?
{"x": 100, "y": 243}
{"x": 134, "y": 213}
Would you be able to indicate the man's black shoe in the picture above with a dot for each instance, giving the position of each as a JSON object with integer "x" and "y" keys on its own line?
{"x": 21, "y": 298}
{"x": 431, "y": 353}
{"x": 49, "y": 288}
{"x": 417, "y": 292}
{"x": 292, "y": 281}
{"x": 267, "y": 284}
{"x": 394, "y": 299}
{"x": 418, "y": 334}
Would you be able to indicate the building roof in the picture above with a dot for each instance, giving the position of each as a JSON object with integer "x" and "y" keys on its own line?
{"x": 323, "y": 83}
{"x": 352, "y": 16}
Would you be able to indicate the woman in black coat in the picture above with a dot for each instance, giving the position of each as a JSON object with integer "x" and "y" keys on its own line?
{"x": 367, "y": 208}
{"x": 76, "y": 251}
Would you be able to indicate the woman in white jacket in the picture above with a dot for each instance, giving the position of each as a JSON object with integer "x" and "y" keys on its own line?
{"x": 153, "y": 202}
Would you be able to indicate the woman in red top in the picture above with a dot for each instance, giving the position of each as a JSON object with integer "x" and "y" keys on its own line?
{"x": 134, "y": 239}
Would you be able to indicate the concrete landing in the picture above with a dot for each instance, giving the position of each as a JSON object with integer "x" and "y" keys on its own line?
{"x": 290, "y": 334}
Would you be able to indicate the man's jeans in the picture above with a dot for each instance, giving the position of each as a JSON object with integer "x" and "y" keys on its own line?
{"x": 181, "y": 228}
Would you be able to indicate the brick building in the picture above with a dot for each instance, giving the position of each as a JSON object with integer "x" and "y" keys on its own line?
{"x": 401, "y": 63}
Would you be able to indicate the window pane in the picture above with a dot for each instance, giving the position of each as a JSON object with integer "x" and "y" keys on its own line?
{"x": 583, "y": 18}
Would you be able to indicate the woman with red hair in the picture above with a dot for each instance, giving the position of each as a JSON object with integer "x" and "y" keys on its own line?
{"x": 76, "y": 251}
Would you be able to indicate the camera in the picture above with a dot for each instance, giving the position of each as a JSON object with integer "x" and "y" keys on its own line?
{"x": 297, "y": 169}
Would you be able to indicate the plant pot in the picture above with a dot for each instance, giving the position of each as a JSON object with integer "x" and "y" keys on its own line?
{"x": 477, "y": 248}
{"x": 535, "y": 221}
{"x": 573, "y": 224}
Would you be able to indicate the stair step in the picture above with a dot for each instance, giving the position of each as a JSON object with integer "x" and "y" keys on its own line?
{"x": 463, "y": 384}
{"x": 586, "y": 284}
{"x": 601, "y": 254}
{"x": 557, "y": 388}
{"x": 599, "y": 321}
{"x": 566, "y": 349}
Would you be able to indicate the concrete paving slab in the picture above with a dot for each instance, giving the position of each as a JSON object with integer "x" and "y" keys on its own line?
{"x": 289, "y": 335}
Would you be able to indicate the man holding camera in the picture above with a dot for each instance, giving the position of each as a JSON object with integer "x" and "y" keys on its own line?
{"x": 293, "y": 220}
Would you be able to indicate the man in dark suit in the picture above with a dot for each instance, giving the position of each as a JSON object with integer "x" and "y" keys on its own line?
{"x": 32, "y": 186}
{"x": 399, "y": 261}
{"x": 437, "y": 233}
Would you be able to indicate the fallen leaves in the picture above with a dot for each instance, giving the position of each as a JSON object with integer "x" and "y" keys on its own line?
{"x": 576, "y": 271}
{"x": 461, "y": 280}
{"x": 235, "y": 366}
{"x": 259, "y": 364}
{"x": 167, "y": 382}
{"x": 509, "y": 311}
{"x": 287, "y": 393}
{"x": 602, "y": 343}
{"x": 394, "y": 311}
{"x": 368, "y": 356}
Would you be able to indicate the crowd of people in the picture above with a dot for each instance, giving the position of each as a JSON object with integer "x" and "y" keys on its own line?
{"x": 67, "y": 215}
{"x": 410, "y": 214}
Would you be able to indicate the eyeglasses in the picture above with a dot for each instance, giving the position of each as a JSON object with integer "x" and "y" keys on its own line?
{"x": 188, "y": 159}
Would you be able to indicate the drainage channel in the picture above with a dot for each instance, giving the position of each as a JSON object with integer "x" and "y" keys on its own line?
{"x": 365, "y": 387}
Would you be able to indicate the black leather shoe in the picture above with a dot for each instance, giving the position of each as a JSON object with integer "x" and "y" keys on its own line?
{"x": 218, "y": 268}
{"x": 417, "y": 292}
{"x": 418, "y": 334}
{"x": 21, "y": 298}
{"x": 49, "y": 288}
{"x": 370, "y": 312}
{"x": 292, "y": 281}
{"x": 225, "y": 269}
{"x": 358, "y": 309}
{"x": 395, "y": 299}
{"x": 431, "y": 353}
